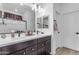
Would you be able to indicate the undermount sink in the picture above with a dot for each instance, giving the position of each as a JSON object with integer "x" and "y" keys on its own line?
{"x": 30, "y": 34}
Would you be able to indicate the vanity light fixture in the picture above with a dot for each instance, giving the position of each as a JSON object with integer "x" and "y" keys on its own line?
{"x": 38, "y": 8}
{"x": 34, "y": 7}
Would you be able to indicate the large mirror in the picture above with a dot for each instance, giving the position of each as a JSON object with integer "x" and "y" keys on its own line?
{"x": 43, "y": 22}
{"x": 42, "y": 18}
{"x": 17, "y": 17}
{"x": 39, "y": 22}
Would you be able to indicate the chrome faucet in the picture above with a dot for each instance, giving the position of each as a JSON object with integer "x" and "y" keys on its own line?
{"x": 40, "y": 32}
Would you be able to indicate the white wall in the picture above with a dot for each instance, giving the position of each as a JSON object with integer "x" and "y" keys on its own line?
{"x": 57, "y": 15}
{"x": 1, "y": 6}
{"x": 69, "y": 7}
{"x": 29, "y": 16}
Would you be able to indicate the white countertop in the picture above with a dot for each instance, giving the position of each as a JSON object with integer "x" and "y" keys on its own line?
{"x": 9, "y": 41}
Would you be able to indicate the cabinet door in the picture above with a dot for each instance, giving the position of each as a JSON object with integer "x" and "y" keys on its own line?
{"x": 21, "y": 52}
{"x": 44, "y": 45}
{"x": 48, "y": 46}
{"x": 41, "y": 45}
{"x": 41, "y": 51}
{"x": 0, "y": 51}
{"x": 31, "y": 49}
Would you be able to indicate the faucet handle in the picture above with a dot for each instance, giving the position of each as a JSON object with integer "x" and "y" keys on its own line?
{"x": 38, "y": 31}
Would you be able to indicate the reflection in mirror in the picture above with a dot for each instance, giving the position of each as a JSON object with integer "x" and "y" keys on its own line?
{"x": 39, "y": 22}
{"x": 17, "y": 17}
{"x": 45, "y": 22}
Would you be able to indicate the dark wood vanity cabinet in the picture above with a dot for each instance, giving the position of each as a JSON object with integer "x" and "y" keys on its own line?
{"x": 40, "y": 46}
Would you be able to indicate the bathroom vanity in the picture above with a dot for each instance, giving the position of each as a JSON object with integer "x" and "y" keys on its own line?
{"x": 39, "y": 44}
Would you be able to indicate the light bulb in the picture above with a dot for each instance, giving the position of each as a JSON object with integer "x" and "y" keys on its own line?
{"x": 21, "y": 3}
{"x": 16, "y": 10}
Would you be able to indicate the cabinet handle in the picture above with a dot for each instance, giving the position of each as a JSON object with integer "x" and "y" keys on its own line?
{"x": 24, "y": 53}
{"x": 32, "y": 49}
{"x": 47, "y": 42}
{"x": 42, "y": 44}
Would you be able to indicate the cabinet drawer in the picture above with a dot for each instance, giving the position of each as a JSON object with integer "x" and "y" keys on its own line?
{"x": 31, "y": 49}
{"x": 44, "y": 39}
{"x": 21, "y": 52}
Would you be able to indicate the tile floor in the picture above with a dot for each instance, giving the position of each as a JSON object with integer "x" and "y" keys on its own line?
{"x": 66, "y": 51}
